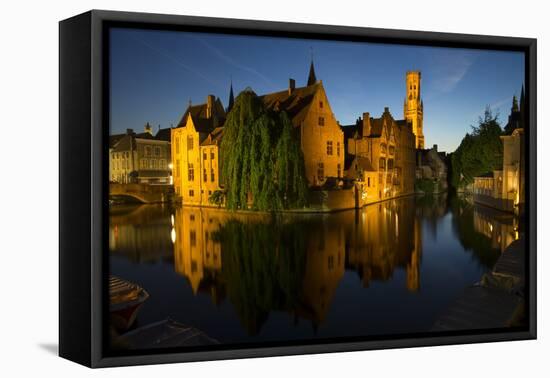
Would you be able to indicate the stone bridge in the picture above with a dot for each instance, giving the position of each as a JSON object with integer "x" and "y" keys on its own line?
{"x": 144, "y": 193}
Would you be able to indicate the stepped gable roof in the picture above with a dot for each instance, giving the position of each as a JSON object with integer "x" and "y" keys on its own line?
{"x": 200, "y": 120}
{"x": 295, "y": 103}
{"x": 377, "y": 125}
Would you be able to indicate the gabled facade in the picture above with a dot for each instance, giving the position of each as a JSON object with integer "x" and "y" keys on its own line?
{"x": 195, "y": 152}
{"x": 140, "y": 157}
{"x": 321, "y": 139}
{"x": 389, "y": 146}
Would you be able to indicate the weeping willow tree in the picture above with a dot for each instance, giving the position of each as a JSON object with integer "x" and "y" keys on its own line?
{"x": 263, "y": 166}
{"x": 290, "y": 171}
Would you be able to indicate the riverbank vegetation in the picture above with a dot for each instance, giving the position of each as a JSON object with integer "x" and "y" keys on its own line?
{"x": 479, "y": 152}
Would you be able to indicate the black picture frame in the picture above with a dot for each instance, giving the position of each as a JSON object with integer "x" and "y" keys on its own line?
{"x": 83, "y": 99}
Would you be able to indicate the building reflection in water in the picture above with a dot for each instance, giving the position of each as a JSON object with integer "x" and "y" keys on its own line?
{"x": 501, "y": 233}
{"x": 140, "y": 233}
{"x": 262, "y": 263}
{"x": 294, "y": 263}
{"x": 386, "y": 236}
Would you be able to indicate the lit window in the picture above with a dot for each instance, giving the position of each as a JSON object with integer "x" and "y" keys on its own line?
{"x": 190, "y": 172}
{"x": 191, "y": 192}
{"x": 329, "y": 147}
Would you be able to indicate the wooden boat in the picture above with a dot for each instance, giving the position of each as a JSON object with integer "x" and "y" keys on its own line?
{"x": 125, "y": 300}
{"x": 163, "y": 334}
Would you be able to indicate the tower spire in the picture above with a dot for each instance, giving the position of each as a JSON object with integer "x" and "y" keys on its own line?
{"x": 231, "y": 97}
{"x": 414, "y": 106}
{"x": 522, "y": 100}
{"x": 311, "y": 79}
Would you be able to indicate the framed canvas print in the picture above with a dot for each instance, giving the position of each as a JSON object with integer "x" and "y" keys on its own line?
{"x": 233, "y": 188}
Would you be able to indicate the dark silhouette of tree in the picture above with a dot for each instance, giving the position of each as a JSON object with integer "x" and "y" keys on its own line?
{"x": 479, "y": 152}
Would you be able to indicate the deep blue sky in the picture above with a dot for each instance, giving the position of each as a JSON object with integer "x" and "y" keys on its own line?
{"x": 154, "y": 74}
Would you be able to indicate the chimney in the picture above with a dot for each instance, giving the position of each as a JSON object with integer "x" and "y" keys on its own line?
{"x": 129, "y": 131}
{"x": 386, "y": 109}
{"x": 435, "y": 147}
{"x": 291, "y": 86}
{"x": 148, "y": 128}
{"x": 209, "y": 106}
{"x": 366, "y": 124}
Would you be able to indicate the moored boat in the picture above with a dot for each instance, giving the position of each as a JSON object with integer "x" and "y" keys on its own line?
{"x": 125, "y": 300}
{"x": 166, "y": 333}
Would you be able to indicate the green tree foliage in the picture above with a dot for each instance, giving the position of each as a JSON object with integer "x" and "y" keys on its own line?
{"x": 290, "y": 171}
{"x": 427, "y": 186}
{"x": 263, "y": 163}
{"x": 479, "y": 152}
{"x": 217, "y": 198}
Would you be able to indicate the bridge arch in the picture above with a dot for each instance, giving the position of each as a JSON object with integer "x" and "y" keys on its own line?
{"x": 143, "y": 193}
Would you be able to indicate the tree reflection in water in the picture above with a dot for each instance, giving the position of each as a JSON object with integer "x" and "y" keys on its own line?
{"x": 294, "y": 263}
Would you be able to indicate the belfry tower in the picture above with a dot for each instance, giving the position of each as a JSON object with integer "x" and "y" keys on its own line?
{"x": 414, "y": 107}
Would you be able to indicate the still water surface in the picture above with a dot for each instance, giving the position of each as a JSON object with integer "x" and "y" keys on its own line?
{"x": 388, "y": 268}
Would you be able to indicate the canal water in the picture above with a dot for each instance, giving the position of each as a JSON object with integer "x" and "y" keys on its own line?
{"x": 389, "y": 268}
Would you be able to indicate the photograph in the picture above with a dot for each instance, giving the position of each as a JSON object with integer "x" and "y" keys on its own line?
{"x": 271, "y": 191}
